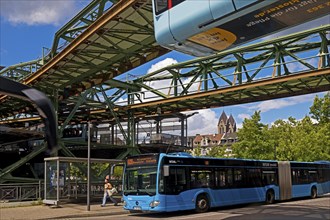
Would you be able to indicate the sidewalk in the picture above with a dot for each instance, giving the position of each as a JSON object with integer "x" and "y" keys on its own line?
{"x": 43, "y": 212}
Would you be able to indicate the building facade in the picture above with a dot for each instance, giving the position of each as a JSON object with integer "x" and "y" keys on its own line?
{"x": 226, "y": 136}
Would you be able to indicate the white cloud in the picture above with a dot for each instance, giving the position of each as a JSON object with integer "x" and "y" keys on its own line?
{"x": 239, "y": 125}
{"x": 37, "y": 12}
{"x": 281, "y": 103}
{"x": 162, "y": 64}
{"x": 243, "y": 116}
{"x": 297, "y": 66}
{"x": 205, "y": 122}
{"x": 160, "y": 85}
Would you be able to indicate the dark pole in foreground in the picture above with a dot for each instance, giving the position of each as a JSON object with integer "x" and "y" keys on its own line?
{"x": 89, "y": 167}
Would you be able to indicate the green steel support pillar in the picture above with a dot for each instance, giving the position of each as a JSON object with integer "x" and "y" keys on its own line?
{"x": 110, "y": 106}
{"x": 277, "y": 62}
{"x": 324, "y": 52}
{"x": 204, "y": 77}
{"x": 130, "y": 141}
{"x": 74, "y": 110}
{"x": 175, "y": 84}
{"x": 6, "y": 172}
{"x": 239, "y": 68}
{"x": 182, "y": 118}
{"x": 54, "y": 100}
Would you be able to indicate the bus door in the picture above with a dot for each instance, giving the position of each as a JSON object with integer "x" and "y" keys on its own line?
{"x": 175, "y": 189}
{"x": 285, "y": 181}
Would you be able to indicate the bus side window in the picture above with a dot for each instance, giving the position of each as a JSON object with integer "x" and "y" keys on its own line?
{"x": 176, "y": 181}
{"x": 238, "y": 178}
{"x": 220, "y": 179}
{"x": 201, "y": 178}
{"x": 230, "y": 177}
{"x": 304, "y": 176}
{"x": 294, "y": 176}
{"x": 320, "y": 175}
{"x": 196, "y": 180}
{"x": 269, "y": 177}
{"x": 312, "y": 176}
{"x": 253, "y": 178}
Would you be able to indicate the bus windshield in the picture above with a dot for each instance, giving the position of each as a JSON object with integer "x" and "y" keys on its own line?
{"x": 140, "y": 181}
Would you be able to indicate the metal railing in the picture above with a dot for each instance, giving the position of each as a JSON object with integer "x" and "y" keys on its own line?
{"x": 16, "y": 192}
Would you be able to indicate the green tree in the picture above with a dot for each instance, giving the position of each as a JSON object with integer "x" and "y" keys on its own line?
{"x": 288, "y": 140}
{"x": 303, "y": 140}
{"x": 98, "y": 170}
{"x": 253, "y": 140}
{"x": 322, "y": 140}
{"x": 310, "y": 141}
{"x": 320, "y": 110}
{"x": 217, "y": 151}
{"x": 197, "y": 151}
{"x": 281, "y": 139}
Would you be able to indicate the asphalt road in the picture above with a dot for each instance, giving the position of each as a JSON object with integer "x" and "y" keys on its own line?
{"x": 306, "y": 209}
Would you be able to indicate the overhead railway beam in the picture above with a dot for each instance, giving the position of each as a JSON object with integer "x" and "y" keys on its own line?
{"x": 291, "y": 65}
{"x": 97, "y": 55}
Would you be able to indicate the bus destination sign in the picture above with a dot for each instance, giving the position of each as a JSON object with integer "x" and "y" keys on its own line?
{"x": 142, "y": 160}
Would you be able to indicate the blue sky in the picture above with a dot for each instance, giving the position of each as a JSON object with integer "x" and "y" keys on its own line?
{"x": 28, "y": 26}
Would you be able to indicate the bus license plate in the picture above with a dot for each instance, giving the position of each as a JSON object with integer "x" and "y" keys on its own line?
{"x": 137, "y": 207}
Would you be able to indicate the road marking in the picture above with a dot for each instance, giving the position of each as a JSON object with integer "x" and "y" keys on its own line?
{"x": 203, "y": 215}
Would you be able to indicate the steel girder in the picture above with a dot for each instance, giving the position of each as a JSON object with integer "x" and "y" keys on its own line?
{"x": 287, "y": 66}
{"x": 62, "y": 38}
{"x": 120, "y": 40}
{"x": 292, "y": 65}
{"x": 22, "y": 70}
{"x": 79, "y": 24}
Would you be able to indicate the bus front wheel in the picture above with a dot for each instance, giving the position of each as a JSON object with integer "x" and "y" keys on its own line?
{"x": 313, "y": 192}
{"x": 270, "y": 197}
{"x": 202, "y": 204}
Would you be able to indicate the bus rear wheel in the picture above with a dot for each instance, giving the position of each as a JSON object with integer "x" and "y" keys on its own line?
{"x": 313, "y": 192}
{"x": 270, "y": 197}
{"x": 202, "y": 204}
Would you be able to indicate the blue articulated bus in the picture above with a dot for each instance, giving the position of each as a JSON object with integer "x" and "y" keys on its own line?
{"x": 202, "y": 27}
{"x": 179, "y": 181}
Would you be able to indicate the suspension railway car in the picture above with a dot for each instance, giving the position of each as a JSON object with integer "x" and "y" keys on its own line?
{"x": 203, "y": 27}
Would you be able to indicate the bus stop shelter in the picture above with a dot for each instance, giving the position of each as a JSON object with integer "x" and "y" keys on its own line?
{"x": 65, "y": 178}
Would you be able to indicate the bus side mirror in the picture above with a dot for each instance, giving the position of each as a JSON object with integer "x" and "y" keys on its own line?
{"x": 166, "y": 170}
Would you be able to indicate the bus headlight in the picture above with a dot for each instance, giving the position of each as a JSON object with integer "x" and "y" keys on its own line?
{"x": 154, "y": 204}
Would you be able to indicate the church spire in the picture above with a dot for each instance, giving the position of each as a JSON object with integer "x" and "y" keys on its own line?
{"x": 223, "y": 117}
{"x": 231, "y": 124}
{"x": 222, "y": 128}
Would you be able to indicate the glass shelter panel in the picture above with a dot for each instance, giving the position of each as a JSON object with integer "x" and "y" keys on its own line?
{"x": 66, "y": 179}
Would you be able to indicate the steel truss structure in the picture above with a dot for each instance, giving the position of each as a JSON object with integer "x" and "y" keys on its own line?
{"x": 106, "y": 40}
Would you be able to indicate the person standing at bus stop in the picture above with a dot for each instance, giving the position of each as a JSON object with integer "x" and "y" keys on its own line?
{"x": 108, "y": 193}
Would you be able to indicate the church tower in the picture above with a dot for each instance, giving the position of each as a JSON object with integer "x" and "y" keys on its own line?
{"x": 225, "y": 124}
{"x": 222, "y": 123}
{"x": 231, "y": 124}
